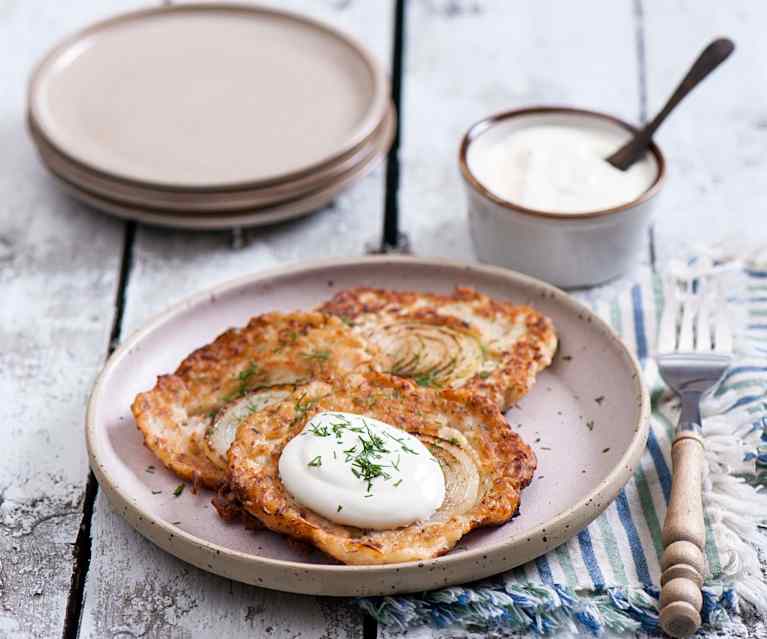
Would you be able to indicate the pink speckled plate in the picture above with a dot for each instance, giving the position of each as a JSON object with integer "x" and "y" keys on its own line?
{"x": 575, "y": 481}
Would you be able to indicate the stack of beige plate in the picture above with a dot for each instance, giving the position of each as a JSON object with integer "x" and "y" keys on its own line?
{"x": 209, "y": 116}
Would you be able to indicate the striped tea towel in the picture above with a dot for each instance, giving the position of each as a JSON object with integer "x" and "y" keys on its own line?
{"x": 608, "y": 576}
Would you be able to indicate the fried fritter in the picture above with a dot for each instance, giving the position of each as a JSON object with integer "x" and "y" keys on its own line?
{"x": 485, "y": 464}
{"x": 464, "y": 340}
{"x": 220, "y": 434}
{"x": 272, "y": 351}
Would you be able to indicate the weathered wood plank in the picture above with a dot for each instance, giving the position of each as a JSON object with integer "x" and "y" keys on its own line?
{"x": 715, "y": 141}
{"x": 135, "y": 589}
{"x": 58, "y": 271}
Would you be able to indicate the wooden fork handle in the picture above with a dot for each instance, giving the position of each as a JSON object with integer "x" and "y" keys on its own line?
{"x": 684, "y": 536}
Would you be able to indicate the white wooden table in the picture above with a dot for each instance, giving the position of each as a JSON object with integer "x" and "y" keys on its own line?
{"x": 74, "y": 282}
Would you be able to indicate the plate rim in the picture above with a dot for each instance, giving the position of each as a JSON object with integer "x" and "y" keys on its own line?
{"x": 278, "y": 213}
{"x": 378, "y": 143}
{"x": 376, "y": 113}
{"x": 615, "y": 480}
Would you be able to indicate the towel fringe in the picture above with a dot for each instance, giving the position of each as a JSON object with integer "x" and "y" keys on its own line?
{"x": 540, "y": 609}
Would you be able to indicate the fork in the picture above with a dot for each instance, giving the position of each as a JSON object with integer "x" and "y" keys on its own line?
{"x": 694, "y": 351}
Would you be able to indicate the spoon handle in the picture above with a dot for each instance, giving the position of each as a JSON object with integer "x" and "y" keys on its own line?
{"x": 709, "y": 59}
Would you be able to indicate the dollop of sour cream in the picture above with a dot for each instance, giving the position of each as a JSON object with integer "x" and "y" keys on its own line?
{"x": 359, "y": 471}
{"x": 562, "y": 169}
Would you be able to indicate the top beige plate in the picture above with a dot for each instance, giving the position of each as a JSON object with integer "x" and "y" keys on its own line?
{"x": 207, "y": 96}
{"x": 586, "y": 450}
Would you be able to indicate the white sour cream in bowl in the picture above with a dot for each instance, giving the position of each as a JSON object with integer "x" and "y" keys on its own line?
{"x": 544, "y": 201}
{"x": 359, "y": 471}
{"x": 562, "y": 169}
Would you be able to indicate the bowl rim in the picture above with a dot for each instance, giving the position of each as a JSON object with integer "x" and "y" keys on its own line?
{"x": 479, "y": 127}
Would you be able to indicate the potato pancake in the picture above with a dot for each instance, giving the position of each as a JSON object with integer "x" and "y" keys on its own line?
{"x": 484, "y": 462}
{"x": 465, "y": 340}
{"x": 272, "y": 351}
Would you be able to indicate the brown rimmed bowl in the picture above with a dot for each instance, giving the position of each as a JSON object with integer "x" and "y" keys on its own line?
{"x": 566, "y": 249}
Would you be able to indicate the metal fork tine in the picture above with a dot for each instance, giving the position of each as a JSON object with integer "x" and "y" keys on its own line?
{"x": 703, "y": 326}
{"x": 689, "y": 308}
{"x": 722, "y": 334}
{"x": 667, "y": 328}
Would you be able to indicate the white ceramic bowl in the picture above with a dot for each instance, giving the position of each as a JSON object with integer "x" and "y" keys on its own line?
{"x": 565, "y": 249}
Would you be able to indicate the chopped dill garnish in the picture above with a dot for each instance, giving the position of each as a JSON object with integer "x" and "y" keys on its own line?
{"x": 149, "y": 469}
{"x": 366, "y": 454}
{"x": 291, "y": 339}
{"x": 301, "y": 407}
{"x": 401, "y": 442}
{"x": 340, "y": 508}
{"x": 248, "y": 372}
{"x": 244, "y": 377}
{"x": 317, "y": 356}
{"x": 484, "y": 374}
{"x": 179, "y": 490}
{"x": 254, "y": 408}
{"x": 319, "y": 430}
{"x": 156, "y": 492}
{"x": 367, "y": 470}
{"x": 427, "y": 380}
{"x": 364, "y": 461}
{"x": 454, "y": 441}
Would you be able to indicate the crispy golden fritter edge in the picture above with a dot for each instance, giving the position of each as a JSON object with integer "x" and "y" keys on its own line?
{"x": 514, "y": 376}
{"x": 174, "y": 415}
{"x": 506, "y": 465}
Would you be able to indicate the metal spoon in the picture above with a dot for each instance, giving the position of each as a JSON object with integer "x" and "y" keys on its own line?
{"x": 709, "y": 59}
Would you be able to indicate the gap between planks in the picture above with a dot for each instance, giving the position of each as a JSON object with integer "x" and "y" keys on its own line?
{"x": 392, "y": 235}
{"x": 639, "y": 33}
{"x": 391, "y": 227}
{"x": 82, "y": 550}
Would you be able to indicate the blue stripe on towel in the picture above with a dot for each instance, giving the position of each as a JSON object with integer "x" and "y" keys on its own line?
{"x": 544, "y": 570}
{"x": 640, "y": 336}
{"x": 590, "y": 559}
{"x": 639, "y": 330}
{"x": 737, "y": 370}
{"x": 748, "y": 399}
{"x": 661, "y": 467}
{"x": 637, "y": 552}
